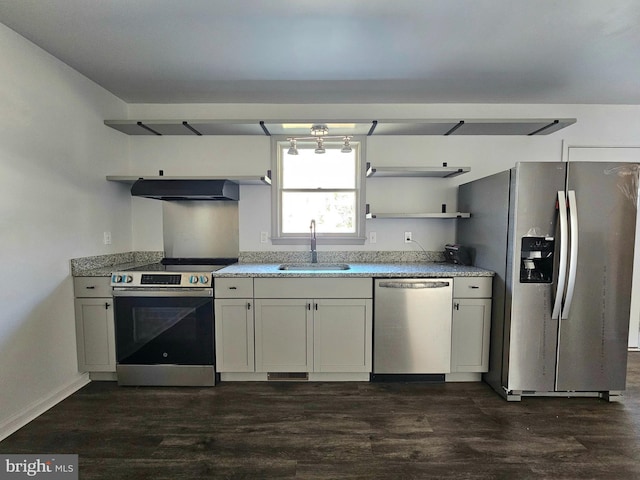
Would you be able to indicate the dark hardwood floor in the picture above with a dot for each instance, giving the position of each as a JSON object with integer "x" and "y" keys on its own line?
{"x": 338, "y": 430}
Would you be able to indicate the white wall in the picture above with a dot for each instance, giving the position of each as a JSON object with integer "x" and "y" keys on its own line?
{"x": 54, "y": 206}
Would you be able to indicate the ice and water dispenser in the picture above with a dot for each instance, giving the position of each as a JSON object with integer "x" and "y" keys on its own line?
{"x": 536, "y": 260}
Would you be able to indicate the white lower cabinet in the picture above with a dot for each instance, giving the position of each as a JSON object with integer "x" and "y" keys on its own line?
{"x": 95, "y": 332}
{"x": 321, "y": 325}
{"x": 234, "y": 335}
{"x": 284, "y": 335}
{"x": 313, "y": 335}
{"x": 471, "y": 325}
{"x": 234, "y": 324}
{"x": 342, "y": 333}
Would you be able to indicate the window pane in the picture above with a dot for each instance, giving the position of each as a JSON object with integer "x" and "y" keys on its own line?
{"x": 334, "y": 212}
{"x": 332, "y": 169}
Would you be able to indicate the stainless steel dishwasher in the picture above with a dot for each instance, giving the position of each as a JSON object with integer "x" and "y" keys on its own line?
{"x": 412, "y": 326}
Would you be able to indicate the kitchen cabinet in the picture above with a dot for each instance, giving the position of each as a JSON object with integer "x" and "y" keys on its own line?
{"x": 284, "y": 335}
{"x": 234, "y": 324}
{"x": 471, "y": 324}
{"x": 429, "y": 172}
{"x": 95, "y": 333}
{"x": 342, "y": 332}
{"x": 313, "y": 325}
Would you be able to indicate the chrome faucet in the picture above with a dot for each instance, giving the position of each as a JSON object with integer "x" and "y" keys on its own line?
{"x": 314, "y": 254}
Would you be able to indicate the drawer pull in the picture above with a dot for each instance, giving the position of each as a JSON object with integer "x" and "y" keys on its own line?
{"x": 91, "y": 287}
{"x": 475, "y": 287}
{"x": 233, "y": 288}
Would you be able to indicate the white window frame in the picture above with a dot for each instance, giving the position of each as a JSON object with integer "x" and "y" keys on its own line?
{"x": 279, "y": 146}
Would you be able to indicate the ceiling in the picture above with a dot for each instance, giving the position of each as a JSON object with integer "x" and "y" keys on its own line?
{"x": 344, "y": 51}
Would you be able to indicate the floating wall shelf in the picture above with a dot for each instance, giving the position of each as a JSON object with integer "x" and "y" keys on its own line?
{"x": 431, "y": 172}
{"x": 445, "y": 127}
{"x": 411, "y": 172}
{"x": 239, "y": 179}
{"x": 371, "y": 215}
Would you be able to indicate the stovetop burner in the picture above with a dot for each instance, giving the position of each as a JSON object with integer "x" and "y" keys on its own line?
{"x": 159, "y": 267}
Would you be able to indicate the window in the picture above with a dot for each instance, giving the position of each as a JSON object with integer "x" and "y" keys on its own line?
{"x": 327, "y": 188}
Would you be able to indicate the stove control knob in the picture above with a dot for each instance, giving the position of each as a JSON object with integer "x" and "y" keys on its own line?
{"x": 116, "y": 278}
{"x": 193, "y": 279}
{"x": 204, "y": 279}
{"x": 127, "y": 279}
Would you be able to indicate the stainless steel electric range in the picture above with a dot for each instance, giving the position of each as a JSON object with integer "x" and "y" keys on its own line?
{"x": 164, "y": 323}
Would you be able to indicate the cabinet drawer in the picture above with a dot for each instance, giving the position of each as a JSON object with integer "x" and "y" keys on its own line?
{"x": 92, "y": 287}
{"x": 472, "y": 287}
{"x": 233, "y": 287}
{"x": 313, "y": 287}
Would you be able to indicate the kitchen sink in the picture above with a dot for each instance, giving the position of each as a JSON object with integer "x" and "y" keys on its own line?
{"x": 314, "y": 266}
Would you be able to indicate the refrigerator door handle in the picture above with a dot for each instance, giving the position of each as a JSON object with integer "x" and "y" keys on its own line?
{"x": 562, "y": 268}
{"x": 573, "y": 259}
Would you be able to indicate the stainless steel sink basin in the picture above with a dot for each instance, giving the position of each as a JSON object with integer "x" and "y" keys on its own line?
{"x": 317, "y": 267}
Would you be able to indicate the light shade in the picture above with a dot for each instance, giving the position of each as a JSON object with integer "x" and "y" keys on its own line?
{"x": 346, "y": 147}
{"x": 319, "y": 133}
{"x": 293, "y": 149}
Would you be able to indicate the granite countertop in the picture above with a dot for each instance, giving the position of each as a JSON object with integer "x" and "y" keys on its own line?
{"x": 104, "y": 265}
{"x": 106, "y": 271}
{"x": 362, "y": 264}
{"x": 390, "y": 270}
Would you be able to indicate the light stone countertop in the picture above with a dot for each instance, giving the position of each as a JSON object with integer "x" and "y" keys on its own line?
{"x": 387, "y": 270}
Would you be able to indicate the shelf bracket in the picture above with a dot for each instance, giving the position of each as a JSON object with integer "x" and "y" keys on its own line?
{"x": 140, "y": 124}
{"x": 186, "y": 124}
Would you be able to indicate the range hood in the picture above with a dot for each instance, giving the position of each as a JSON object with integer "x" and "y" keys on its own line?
{"x": 186, "y": 189}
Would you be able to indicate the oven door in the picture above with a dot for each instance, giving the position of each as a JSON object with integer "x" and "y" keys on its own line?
{"x": 164, "y": 337}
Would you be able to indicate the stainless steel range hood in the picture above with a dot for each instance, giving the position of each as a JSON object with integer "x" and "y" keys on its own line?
{"x": 186, "y": 189}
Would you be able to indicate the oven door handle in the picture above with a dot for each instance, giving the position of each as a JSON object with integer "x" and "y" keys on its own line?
{"x": 162, "y": 292}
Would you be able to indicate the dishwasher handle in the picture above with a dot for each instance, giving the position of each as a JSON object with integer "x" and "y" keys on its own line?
{"x": 416, "y": 285}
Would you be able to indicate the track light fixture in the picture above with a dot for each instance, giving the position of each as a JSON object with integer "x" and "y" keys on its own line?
{"x": 319, "y": 133}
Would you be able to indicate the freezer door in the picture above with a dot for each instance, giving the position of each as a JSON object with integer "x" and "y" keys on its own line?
{"x": 593, "y": 339}
{"x": 530, "y": 334}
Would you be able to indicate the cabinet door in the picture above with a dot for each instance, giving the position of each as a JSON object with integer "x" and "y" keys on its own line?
{"x": 342, "y": 335}
{"x": 234, "y": 335}
{"x": 470, "y": 335}
{"x": 284, "y": 335}
{"x": 95, "y": 336}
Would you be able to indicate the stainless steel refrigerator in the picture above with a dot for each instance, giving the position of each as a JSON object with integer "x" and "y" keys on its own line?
{"x": 560, "y": 238}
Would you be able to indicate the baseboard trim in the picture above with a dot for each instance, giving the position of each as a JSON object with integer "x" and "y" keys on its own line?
{"x": 37, "y": 408}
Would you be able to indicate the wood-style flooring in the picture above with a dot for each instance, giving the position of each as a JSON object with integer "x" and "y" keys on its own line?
{"x": 338, "y": 431}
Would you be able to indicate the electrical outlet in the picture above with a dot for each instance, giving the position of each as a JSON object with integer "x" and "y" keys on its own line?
{"x": 373, "y": 237}
{"x": 407, "y": 237}
{"x": 264, "y": 237}
{"x": 107, "y": 238}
